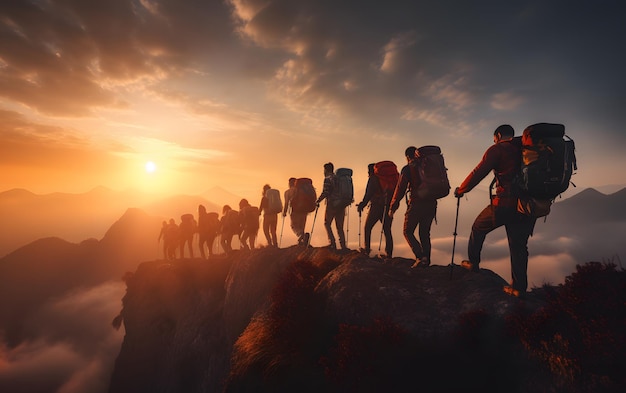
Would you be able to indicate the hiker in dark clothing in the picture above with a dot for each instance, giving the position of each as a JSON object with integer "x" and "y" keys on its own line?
{"x": 187, "y": 228}
{"x": 298, "y": 219}
{"x": 503, "y": 158}
{"x": 420, "y": 212}
{"x": 379, "y": 205}
{"x": 229, "y": 227}
{"x": 333, "y": 213}
{"x": 270, "y": 219}
{"x": 249, "y": 218}
{"x": 171, "y": 239}
{"x": 207, "y": 230}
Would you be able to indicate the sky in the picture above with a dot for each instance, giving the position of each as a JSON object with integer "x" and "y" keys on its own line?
{"x": 239, "y": 93}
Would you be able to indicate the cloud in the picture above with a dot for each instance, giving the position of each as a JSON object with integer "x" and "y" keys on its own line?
{"x": 72, "y": 347}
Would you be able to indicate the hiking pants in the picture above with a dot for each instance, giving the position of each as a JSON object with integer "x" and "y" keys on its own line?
{"x": 298, "y": 222}
{"x": 518, "y": 227}
{"x": 208, "y": 239}
{"x": 270, "y": 222}
{"x": 338, "y": 215}
{"x": 419, "y": 213}
{"x": 378, "y": 212}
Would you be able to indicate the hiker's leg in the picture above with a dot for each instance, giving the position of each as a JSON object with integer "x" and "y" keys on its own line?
{"x": 485, "y": 222}
{"x": 328, "y": 219}
{"x": 410, "y": 223}
{"x": 266, "y": 229}
{"x": 425, "y": 222}
{"x": 370, "y": 220}
{"x": 388, "y": 237}
{"x": 273, "y": 224}
{"x": 298, "y": 220}
{"x": 340, "y": 216}
{"x": 518, "y": 230}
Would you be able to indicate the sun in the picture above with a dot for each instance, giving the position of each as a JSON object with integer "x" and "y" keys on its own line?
{"x": 150, "y": 167}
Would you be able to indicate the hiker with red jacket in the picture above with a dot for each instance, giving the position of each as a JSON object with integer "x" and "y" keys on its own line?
{"x": 379, "y": 205}
{"x": 420, "y": 211}
{"x": 334, "y": 212}
{"x": 503, "y": 158}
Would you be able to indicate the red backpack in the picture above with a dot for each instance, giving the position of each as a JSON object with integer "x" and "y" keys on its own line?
{"x": 304, "y": 197}
{"x": 387, "y": 174}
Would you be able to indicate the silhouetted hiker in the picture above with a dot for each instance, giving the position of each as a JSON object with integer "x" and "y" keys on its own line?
{"x": 249, "y": 224}
{"x": 419, "y": 212}
{"x": 229, "y": 226}
{"x": 503, "y": 158}
{"x": 297, "y": 217}
{"x": 188, "y": 227}
{"x": 208, "y": 225}
{"x": 162, "y": 236}
{"x": 333, "y": 212}
{"x": 171, "y": 239}
{"x": 270, "y": 206}
{"x": 379, "y": 206}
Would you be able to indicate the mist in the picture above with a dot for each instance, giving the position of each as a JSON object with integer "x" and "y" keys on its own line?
{"x": 72, "y": 345}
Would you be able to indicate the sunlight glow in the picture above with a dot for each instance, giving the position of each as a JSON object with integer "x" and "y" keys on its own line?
{"x": 150, "y": 167}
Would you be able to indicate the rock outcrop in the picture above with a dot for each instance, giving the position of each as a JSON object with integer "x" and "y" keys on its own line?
{"x": 238, "y": 323}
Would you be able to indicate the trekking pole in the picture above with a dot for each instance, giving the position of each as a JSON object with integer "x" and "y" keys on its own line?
{"x": 359, "y": 229}
{"x": 456, "y": 222}
{"x": 348, "y": 226}
{"x": 281, "y": 232}
{"x": 308, "y": 241}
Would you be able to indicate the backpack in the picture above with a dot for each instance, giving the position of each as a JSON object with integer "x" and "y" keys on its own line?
{"x": 304, "y": 197}
{"x": 231, "y": 222}
{"x": 387, "y": 174}
{"x": 343, "y": 193}
{"x": 547, "y": 164}
{"x": 433, "y": 174}
{"x": 250, "y": 218}
{"x": 188, "y": 224}
{"x": 212, "y": 222}
{"x": 274, "y": 203}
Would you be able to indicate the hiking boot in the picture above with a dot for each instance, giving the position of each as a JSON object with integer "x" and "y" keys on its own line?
{"x": 470, "y": 266}
{"x": 509, "y": 290}
{"x": 421, "y": 262}
{"x": 305, "y": 238}
{"x": 332, "y": 246}
{"x": 365, "y": 251}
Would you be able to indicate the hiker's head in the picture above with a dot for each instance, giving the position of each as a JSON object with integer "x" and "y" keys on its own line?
{"x": 409, "y": 153}
{"x": 265, "y": 188}
{"x": 172, "y": 221}
{"x": 243, "y": 203}
{"x": 370, "y": 169}
{"x": 329, "y": 168}
{"x": 292, "y": 181}
{"x": 503, "y": 133}
{"x": 226, "y": 209}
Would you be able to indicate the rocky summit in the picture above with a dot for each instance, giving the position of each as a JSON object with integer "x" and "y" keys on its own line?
{"x": 270, "y": 319}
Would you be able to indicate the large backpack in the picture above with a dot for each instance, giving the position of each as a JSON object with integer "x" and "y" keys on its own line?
{"x": 433, "y": 174}
{"x": 274, "y": 203}
{"x": 188, "y": 225}
{"x": 548, "y": 162}
{"x": 343, "y": 193}
{"x": 212, "y": 222}
{"x": 387, "y": 174}
{"x": 250, "y": 218}
{"x": 231, "y": 222}
{"x": 304, "y": 196}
